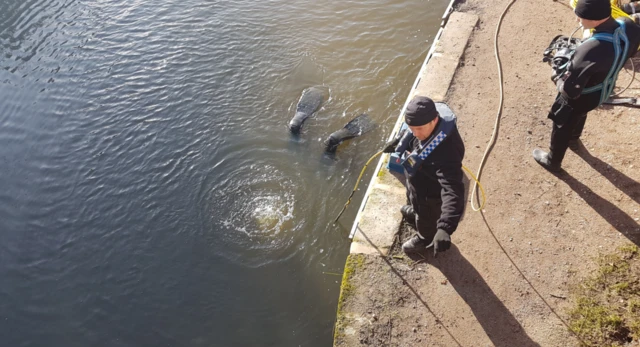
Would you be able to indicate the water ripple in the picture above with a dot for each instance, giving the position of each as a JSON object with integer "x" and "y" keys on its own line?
{"x": 147, "y": 172}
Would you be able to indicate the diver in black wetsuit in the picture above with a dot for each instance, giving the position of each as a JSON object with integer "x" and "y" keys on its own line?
{"x": 589, "y": 77}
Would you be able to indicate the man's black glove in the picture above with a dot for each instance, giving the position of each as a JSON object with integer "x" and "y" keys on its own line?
{"x": 390, "y": 146}
{"x": 441, "y": 242}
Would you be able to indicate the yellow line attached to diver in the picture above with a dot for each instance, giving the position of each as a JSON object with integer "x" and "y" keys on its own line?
{"x": 484, "y": 197}
{"x": 356, "y": 187}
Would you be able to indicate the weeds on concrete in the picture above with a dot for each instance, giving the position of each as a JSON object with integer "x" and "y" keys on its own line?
{"x": 354, "y": 262}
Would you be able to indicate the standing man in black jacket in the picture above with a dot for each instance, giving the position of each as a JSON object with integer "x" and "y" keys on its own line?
{"x": 589, "y": 77}
{"x": 432, "y": 152}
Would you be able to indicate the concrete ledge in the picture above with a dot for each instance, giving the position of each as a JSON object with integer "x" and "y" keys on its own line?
{"x": 435, "y": 80}
{"x": 381, "y": 218}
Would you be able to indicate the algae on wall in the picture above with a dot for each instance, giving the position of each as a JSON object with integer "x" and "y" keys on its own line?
{"x": 347, "y": 288}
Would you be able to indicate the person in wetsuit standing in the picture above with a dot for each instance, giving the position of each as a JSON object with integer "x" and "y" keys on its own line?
{"x": 589, "y": 77}
{"x": 434, "y": 181}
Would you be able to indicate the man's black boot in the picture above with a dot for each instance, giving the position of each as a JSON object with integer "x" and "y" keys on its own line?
{"x": 409, "y": 214}
{"x": 543, "y": 158}
{"x": 414, "y": 244}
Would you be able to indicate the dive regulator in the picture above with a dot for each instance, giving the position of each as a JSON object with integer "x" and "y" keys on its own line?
{"x": 559, "y": 54}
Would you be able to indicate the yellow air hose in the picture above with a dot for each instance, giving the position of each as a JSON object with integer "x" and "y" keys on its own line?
{"x": 356, "y": 187}
{"x": 484, "y": 197}
{"x": 377, "y": 154}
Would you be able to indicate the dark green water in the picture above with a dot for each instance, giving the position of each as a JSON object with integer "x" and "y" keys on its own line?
{"x": 150, "y": 194}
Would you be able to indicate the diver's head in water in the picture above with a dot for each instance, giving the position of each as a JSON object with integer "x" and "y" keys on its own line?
{"x": 591, "y": 13}
{"x": 421, "y": 116}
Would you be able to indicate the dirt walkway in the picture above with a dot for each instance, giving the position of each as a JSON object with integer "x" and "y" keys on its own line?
{"x": 551, "y": 226}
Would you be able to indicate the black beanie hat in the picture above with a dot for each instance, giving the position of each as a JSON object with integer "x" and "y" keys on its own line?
{"x": 420, "y": 111}
{"x": 593, "y": 9}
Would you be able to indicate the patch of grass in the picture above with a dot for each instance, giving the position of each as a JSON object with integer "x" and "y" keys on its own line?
{"x": 620, "y": 287}
{"x": 634, "y": 306}
{"x": 592, "y": 320}
{"x": 629, "y": 249}
{"x": 607, "y": 305}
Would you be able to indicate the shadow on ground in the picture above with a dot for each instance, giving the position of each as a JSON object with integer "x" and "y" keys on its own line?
{"x": 623, "y": 182}
{"x": 497, "y": 321}
{"x": 495, "y": 318}
{"x": 617, "y": 218}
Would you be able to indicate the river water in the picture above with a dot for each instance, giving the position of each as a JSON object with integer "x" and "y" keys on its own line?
{"x": 150, "y": 194}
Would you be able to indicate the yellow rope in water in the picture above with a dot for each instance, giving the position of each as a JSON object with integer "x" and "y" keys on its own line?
{"x": 356, "y": 187}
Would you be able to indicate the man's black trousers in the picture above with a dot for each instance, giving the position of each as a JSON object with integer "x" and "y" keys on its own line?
{"x": 427, "y": 215}
{"x": 560, "y": 136}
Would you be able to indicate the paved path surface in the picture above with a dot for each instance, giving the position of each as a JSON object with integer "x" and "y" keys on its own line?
{"x": 551, "y": 226}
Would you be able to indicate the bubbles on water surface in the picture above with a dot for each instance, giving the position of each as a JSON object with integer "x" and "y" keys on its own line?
{"x": 262, "y": 208}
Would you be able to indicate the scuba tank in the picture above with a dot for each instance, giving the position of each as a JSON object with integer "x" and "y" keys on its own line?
{"x": 631, "y": 8}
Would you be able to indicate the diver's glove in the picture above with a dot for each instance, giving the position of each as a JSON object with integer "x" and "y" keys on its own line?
{"x": 441, "y": 242}
{"x": 390, "y": 146}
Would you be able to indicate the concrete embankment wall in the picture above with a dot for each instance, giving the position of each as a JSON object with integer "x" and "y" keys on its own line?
{"x": 378, "y": 220}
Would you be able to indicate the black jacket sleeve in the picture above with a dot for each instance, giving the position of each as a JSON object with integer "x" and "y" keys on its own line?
{"x": 452, "y": 195}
